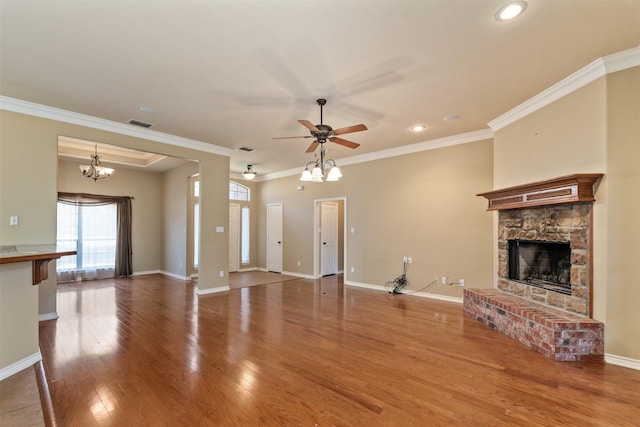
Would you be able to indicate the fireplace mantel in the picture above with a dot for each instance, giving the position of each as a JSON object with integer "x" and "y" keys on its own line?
{"x": 565, "y": 189}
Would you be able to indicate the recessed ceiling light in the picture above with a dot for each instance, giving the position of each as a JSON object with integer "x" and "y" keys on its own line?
{"x": 451, "y": 118}
{"x": 511, "y": 10}
{"x": 418, "y": 128}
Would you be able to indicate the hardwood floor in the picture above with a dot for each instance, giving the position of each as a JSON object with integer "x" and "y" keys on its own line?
{"x": 147, "y": 351}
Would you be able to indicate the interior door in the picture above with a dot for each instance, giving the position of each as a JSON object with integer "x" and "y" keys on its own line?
{"x": 274, "y": 237}
{"x": 234, "y": 237}
{"x": 328, "y": 238}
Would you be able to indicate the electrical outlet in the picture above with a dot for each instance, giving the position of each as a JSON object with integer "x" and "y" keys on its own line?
{"x": 461, "y": 282}
{"x": 409, "y": 260}
{"x": 353, "y": 269}
{"x": 444, "y": 280}
{"x": 221, "y": 273}
{"x": 298, "y": 263}
{"x": 404, "y": 259}
{"x": 14, "y": 220}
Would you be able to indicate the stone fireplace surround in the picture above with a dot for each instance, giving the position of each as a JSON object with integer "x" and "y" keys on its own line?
{"x": 551, "y": 323}
{"x": 568, "y": 222}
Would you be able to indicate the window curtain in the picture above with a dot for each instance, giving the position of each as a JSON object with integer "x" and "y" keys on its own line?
{"x": 124, "y": 251}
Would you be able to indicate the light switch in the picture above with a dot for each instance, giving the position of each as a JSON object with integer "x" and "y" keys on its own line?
{"x": 219, "y": 229}
{"x": 14, "y": 220}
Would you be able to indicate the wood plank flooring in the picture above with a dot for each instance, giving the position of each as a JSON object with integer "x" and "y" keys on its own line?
{"x": 147, "y": 351}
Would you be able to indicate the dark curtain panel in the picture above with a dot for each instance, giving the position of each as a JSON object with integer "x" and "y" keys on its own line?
{"x": 123, "y": 244}
{"x": 124, "y": 251}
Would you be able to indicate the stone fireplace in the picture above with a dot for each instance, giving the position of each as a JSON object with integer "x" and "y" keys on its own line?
{"x": 544, "y": 294}
{"x": 554, "y": 257}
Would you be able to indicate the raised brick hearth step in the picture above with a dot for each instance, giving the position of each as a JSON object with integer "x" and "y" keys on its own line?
{"x": 557, "y": 334}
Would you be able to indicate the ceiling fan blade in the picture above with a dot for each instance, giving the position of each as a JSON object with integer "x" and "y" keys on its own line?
{"x": 312, "y": 147}
{"x": 345, "y": 142}
{"x": 309, "y": 125}
{"x": 291, "y": 137}
{"x": 349, "y": 129}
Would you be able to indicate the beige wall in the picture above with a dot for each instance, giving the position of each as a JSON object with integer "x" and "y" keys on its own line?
{"x": 422, "y": 205}
{"x": 592, "y": 130}
{"x": 28, "y": 188}
{"x": 623, "y": 210}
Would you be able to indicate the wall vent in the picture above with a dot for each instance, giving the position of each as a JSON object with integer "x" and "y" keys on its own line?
{"x": 139, "y": 123}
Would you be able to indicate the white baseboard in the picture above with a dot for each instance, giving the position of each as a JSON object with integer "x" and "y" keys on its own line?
{"x": 364, "y": 285}
{"x": 301, "y": 275}
{"x": 146, "y": 273}
{"x": 212, "y": 290}
{"x": 622, "y": 361}
{"x": 175, "y": 276}
{"x": 47, "y": 316}
{"x": 20, "y": 365}
{"x": 447, "y": 298}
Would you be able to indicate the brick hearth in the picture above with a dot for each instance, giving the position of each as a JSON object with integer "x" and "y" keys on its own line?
{"x": 557, "y": 334}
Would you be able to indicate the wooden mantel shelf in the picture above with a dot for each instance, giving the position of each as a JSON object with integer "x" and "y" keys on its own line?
{"x": 39, "y": 255}
{"x": 565, "y": 189}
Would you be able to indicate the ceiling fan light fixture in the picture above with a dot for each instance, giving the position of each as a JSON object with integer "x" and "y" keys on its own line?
{"x": 249, "y": 173}
{"x": 334, "y": 174}
{"x": 511, "y": 10}
{"x": 316, "y": 174}
{"x": 306, "y": 175}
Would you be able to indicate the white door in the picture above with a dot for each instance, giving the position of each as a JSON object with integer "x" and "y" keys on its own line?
{"x": 328, "y": 238}
{"x": 234, "y": 237}
{"x": 274, "y": 237}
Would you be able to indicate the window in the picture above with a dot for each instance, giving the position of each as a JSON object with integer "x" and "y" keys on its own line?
{"x": 92, "y": 232}
{"x": 238, "y": 192}
{"x": 195, "y": 194}
{"x": 246, "y": 236}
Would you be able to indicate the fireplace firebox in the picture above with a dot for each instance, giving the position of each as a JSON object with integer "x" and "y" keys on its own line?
{"x": 546, "y": 265}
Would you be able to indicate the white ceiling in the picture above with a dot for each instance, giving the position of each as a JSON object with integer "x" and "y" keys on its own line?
{"x": 237, "y": 73}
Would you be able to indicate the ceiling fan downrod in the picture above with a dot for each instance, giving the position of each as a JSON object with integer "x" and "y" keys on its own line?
{"x": 321, "y": 102}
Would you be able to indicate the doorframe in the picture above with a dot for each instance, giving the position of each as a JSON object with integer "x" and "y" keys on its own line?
{"x": 316, "y": 232}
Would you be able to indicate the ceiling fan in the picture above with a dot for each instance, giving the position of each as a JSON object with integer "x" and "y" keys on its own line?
{"x": 323, "y": 133}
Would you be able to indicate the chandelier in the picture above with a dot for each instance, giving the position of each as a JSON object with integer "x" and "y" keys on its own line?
{"x": 319, "y": 166}
{"x": 249, "y": 173}
{"x": 95, "y": 170}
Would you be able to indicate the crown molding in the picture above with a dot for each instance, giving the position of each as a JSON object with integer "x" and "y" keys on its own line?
{"x": 448, "y": 141}
{"x": 51, "y": 113}
{"x": 600, "y": 67}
